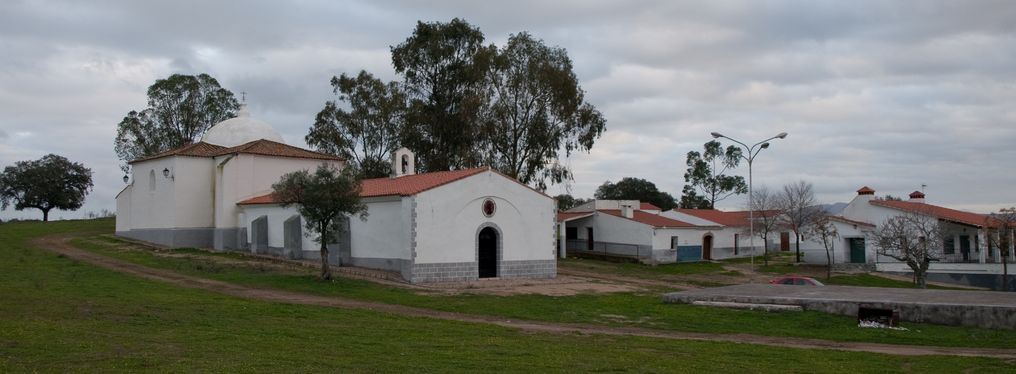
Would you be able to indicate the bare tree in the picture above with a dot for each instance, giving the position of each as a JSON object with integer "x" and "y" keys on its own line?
{"x": 1000, "y": 235}
{"x": 799, "y": 209}
{"x": 915, "y": 238}
{"x": 766, "y": 212}
{"x": 823, "y": 230}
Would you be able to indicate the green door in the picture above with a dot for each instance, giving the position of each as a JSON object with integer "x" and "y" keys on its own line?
{"x": 857, "y": 250}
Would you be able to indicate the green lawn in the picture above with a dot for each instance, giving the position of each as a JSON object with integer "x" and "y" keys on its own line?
{"x": 58, "y": 314}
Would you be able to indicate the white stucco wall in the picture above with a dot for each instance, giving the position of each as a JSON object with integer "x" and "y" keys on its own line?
{"x": 449, "y": 217}
{"x": 813, "y": 251}
{"x": 614, "y": 229}
{"x": 192, "y": 185}
{"x": 387, "y": 232}
{"x": 244, "y": 176}
{"x": 183, "y": 200}
{"x": 123, "y": 209}
{"x": 277, "y": 216}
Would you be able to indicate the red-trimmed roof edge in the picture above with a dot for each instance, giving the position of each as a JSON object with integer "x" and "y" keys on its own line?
{"x": 466, "y": 173}
{"x": 202, "y": 149}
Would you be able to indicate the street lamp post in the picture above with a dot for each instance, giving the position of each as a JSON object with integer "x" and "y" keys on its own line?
{"x": 752, "y": 152}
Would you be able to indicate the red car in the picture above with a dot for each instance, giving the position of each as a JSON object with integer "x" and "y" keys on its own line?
{"x": 798, "y": 281}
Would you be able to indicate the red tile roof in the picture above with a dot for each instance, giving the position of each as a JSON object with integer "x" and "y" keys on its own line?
{"x": 648, "y": 206}
{"x": 408, "y": 185}
{"x": 562, "y": 216}
{"x": 947, "y": 214}
{"x": 199, "y": 149}
{"x": 263, "y": 199}
{"x": 413, "y": 184}
{"x": 270, "y": 148}
{"x": 258, "y": 147}
{"x": 723, "y": 218}
{"x": 654, "y": 220}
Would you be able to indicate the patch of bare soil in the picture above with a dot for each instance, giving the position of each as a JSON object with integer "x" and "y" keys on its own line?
{"x": 58, "y": 244}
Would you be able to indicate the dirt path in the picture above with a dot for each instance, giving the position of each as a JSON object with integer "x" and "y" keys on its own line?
{"x": 58, "y": 244}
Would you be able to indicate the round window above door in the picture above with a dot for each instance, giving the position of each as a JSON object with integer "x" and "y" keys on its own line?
{"x": 489, "y": 207}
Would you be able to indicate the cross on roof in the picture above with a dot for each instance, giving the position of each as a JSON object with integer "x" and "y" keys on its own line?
{"x": 243, "y": 95}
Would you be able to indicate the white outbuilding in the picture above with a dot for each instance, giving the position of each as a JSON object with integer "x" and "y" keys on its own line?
{"x": 432, "y": 227}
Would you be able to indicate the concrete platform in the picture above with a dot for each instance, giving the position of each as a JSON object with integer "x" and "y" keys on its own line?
{"x": 990, "y": 309}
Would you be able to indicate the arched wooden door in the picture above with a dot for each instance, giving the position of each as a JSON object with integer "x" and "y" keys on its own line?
{"x": 707, "y": 247}
{"x": 487, "y": 253}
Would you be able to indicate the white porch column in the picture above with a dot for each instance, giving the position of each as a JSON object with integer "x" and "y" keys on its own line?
{"x": 562, "y": 240}
{"x": 982, "y": 245}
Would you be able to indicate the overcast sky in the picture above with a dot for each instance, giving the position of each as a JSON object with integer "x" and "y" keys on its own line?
{"x": 887, "y": 94}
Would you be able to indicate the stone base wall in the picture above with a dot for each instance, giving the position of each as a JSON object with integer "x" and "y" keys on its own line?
{"x": 527, "y": 269}
{"x": 853, "y": 267}
{"x": 197, "y": 237}
{"x": 469, "y": 271}
{"x": 444, "y": 272}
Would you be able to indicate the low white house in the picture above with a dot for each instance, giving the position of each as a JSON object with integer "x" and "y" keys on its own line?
{"x": 965, "y": 248}
{"x": 639, "y": 230}
{"x": 443, "y": 226}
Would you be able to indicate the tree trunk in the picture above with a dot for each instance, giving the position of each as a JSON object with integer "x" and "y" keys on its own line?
{"x": 326, "y": 270}
{"x": 765, "y": 248}
{"x": 797, "y": 245}
{"x": 829, "y": 263}
{"x": 920, "y": 274}
{"x": 1005, "y": 271}
{"x": 45, "y": 215}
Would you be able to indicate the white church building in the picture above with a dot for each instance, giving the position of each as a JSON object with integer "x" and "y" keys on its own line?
{"x": 433, "y": 227}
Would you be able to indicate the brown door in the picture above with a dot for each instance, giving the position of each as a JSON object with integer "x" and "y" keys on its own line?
{"x": 707, "y": 247}
{"x": 589, "y": 237}
{"x": 785, "y": 241}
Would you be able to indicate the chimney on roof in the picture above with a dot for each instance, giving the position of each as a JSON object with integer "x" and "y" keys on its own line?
{"x": 917, "y": 197}
{"x": 865, "y": 191}
{"x": 403, "y": 163}
{"x": 627, "y": 211}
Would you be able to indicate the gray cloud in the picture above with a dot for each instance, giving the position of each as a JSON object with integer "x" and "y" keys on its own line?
{"x": 888, "y": 94}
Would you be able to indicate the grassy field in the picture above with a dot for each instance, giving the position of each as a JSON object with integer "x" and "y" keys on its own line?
{"x": 58, "y": 314}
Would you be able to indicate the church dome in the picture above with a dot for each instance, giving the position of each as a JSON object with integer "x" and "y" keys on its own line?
{"x": 240, "y": 130}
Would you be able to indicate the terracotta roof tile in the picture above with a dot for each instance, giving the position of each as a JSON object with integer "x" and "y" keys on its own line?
{"x": 737, "y": 218}
{"x": 720, "y": 217}
{"x": 199, "y": 149}
{"x": 402, "y": 186}
{"x": 263, "y": 199}
{"x": 947, "y": 214}
{"x": 270, "y": 148}
{"x": 562, "y": 216}
{"x": 654, "y": 220}
{"x": 413, "y": 184}
{"x": 257, "y": 147}
{"x": 648, "y": 206}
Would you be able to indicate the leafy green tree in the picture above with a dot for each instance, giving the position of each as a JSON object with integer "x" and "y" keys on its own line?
{"x": 635, "y": 189}
{"x": 180, "y": 109}
{"x": 323, "y": 198}
{"x": 691, "y": 200}
{"x": 48, "y": 183}
{"x": 442, "y": 78}
{"x": 534, "y": 107}
{"x": 369, "y": 131}
{"x": 567, "y": 201}
{"x": 705, "y": 172}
